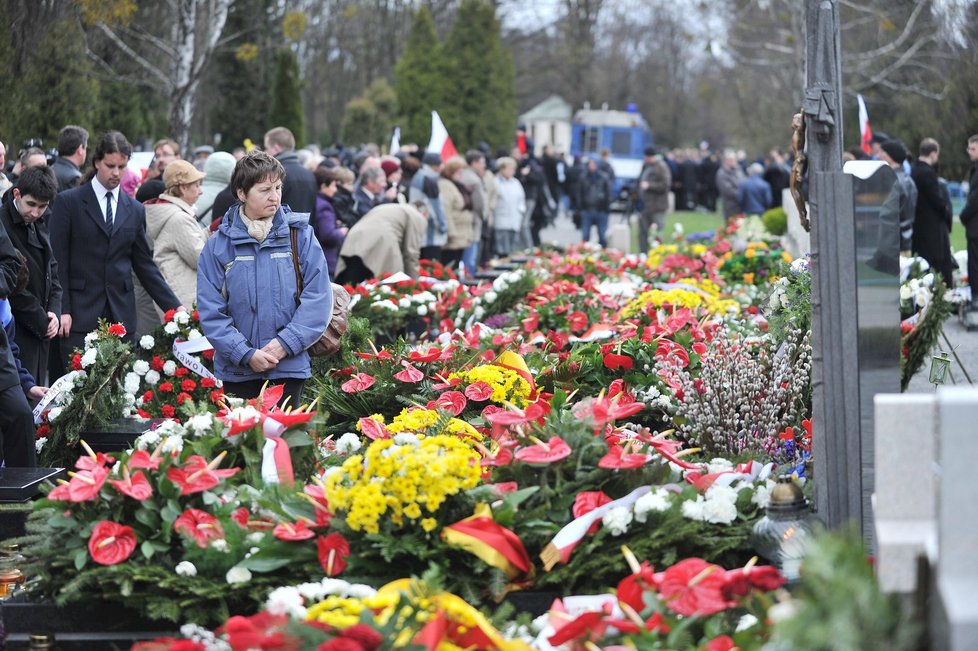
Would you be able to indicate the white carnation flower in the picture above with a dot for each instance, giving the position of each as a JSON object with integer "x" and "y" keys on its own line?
{"x": 131, "y": 383}
{"x": 220, "y": 545}
{"x": 348, "y": 443}
{"x": 200, "y": 424}
{"x": 152, "y": 377}
{"x": 53, "y": 414}
{"x": 183, "y": 318}
{"x": 140, "y": 367}
{"x": 238, "y": 574}
{"x": 185, "y": 568}
{"x": 147, "y": 342}
{"x": 170, "y": 367}
{"x": 422, "y": 310}
{"x": 91, "y": 338}
{"x": 404, "y": 302}
{"x": 905, "y": 292}
{"x": 39, "y": 444}
{"x": 719, "y": 511}
{"x": 762, "y": 494}
{"x": 172, "y": 444}
{"x": 719, "y": 464}
{"x": 147, "y": 440}
{"x": 89, "y": 357}
{"x": 656, "y": 500}
{"x": 286, "y": 601}
{"x": 693, "y": 509}
{"x": 194, "y": 334}
{"x": 490, "y": 297}
{"x": 405, "y": 438}
{"x": 171, "y": 328}
{"x": 617, "y": 520}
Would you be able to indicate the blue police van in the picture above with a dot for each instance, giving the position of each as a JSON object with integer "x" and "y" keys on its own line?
{"x": 625, "y": 134}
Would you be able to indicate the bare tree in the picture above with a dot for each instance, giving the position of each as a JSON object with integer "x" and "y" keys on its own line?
{"x": 173, "y": 61}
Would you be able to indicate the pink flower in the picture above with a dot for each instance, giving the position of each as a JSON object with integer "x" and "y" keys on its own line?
{"x": 478, "y": 391}
{"x": 409, "y": 374}
{"x": 553, "y": 450}
{"x": 135, "y": 486}
{"x": 357, "y": 383}
{"x": 199, "y": 525}
{"x": 111, "y": 543}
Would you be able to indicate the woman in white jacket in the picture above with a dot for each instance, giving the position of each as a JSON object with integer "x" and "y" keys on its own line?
{"x": 510, "y": 207}
{"x": 176, "y": 237}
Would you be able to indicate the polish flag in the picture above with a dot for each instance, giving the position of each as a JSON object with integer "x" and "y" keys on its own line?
{"x": 440, "y": 141}
{"x": 865, "y": 133}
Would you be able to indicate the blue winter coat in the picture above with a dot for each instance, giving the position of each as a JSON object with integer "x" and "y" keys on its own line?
{"x": 246, "y": 295}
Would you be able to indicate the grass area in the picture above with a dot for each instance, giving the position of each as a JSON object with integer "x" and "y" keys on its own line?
{"x": 692, "y": 221}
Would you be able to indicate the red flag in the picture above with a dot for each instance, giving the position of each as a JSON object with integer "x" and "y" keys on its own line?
{"x": 440, "y": 141}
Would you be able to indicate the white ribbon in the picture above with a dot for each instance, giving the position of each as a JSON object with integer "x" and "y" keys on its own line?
{"x": 182, "y": 351}
{"x": 577, "y": 528}
{"x": 269, "y": 471}
{"x": 61, "y": 385}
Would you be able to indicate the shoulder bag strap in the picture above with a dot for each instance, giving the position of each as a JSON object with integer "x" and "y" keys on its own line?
{"x": 295, "y": 264}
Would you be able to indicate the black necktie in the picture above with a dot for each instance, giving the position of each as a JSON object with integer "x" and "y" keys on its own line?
{"x": 108, "y": 208}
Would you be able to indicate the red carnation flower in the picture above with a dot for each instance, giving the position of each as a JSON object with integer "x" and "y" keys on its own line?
{"x": 157, "y": 363}
{"x": 182, "y": 372}
{"x": 368, "y": 638}
{"x": 43, "y": 431}
{"x": 111, "y": 543}
{"x": 148, "y": 396}
{"x": 207, "y": 383}
{"x": 168, "y": 315}
{"x": 143, "y": 413}
{"x": 117, "y": 329}
{"x": 168, "y": 411}
{"x": 188, "y": 385}
{"x": 332, "y": 551}
{"x": 165, "y": 387}
{"x": 183, "y": 397}
{"x": 76, "y": 364}
{"x": 208, "y": 354}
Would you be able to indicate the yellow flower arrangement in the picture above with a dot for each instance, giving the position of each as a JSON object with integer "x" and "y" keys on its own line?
{"x": 338, "y": 612}
{"x": 708, "y": 298}
{"x": 420, "y": 421}
{"x": 395, "y": 482}
{"x": 507, "y": 385}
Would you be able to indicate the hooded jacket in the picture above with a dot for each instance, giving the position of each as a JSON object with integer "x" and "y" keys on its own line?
{"x": 218, "y": 168}
{"x": 177, "y": 241}
{"x": 246, "y": 295}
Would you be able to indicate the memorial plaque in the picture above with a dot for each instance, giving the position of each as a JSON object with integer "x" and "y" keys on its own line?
{"x": 118, "y": 435}
{"x": 22, "y": 484}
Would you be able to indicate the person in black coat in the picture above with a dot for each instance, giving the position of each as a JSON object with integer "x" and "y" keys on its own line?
{"x": 72, "y": 150}
{"x": 98, "y": 234}
{"x": 299, "y": 187}
{"x": 969, "y": 217}
{"x": 37, "y": 308}
{"x": 932, "y": 221}
{"x": 16, "y": 421}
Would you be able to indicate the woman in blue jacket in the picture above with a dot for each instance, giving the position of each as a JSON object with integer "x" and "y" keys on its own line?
{"x": 247, "y": 290}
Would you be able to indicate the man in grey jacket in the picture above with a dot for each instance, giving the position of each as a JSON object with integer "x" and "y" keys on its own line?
{"x": 729, "y": 177}
{"x": 654, "y": 183}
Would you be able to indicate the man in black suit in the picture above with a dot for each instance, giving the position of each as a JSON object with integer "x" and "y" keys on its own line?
{"x": 99, "y": 239}
{"x": 299, "y": 187}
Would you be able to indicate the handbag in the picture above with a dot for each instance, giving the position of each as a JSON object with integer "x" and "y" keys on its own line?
{"x": 328, "y": 342}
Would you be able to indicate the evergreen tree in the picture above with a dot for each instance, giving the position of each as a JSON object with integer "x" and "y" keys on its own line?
{"x": 370, "y": 117}
{"x": 419, "y": 79}
{"x": 287, "y": 96}
{"x": 482, "y": 96}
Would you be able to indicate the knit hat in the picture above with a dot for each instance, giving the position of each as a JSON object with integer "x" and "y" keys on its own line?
{"x": 895, "y": 150}
{"x": 390, "y": 165}
{"x": 180, "y": 172}
{"x": 432, "y": 158}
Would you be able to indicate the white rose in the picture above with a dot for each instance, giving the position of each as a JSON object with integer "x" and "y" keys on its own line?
{"x": 905, "y": 292}
{"x": 617, "y": 520}
{"x": 131, "y": 383}
{"x": 194, "y": 334}
{"x": 170, "y": 367}
{"x": 152, "y": 377}
{"x": 185, "y": 568}
{"x": 140, "y": 367}
{"x": 237, "y": 575}
{"x": 171, "y": 328}
{"x": 147, "y": 342}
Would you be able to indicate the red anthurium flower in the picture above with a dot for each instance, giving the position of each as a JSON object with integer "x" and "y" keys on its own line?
{"x": 143, "y": 459}
{"x": 577, "y": 321}
{"x": 373, "y": 429}
{"x": 424, "y": 356}
{"x": 617, "y": 458}
{"x": 553, "y": 450}
{"x": 478, "y": 391}
{"x": 504, "y": 487}
{"x": 453, "y": 401}
{"x": 236, "y": 426}
{"x": 111, "y": 543}
{"x": 93, "y": 460}
{"x": 558, "y": 340}
{"x": 693, "y": 587}
{"x": 632, "y": 588}
{"x": 332, "y": 551}
{"x": 197, "y": 475}
{"x": 117, "y": 329}
{"x": 447, "y": 384}
{"x": 722, "y": 643}
{"x": 669, "y": 450}
{"x": 315, "y": 495}
{"x": 293, "y": 532}
{"x": 382, "y": 355}
{"x": 617, "y": 362}
{"x": 587, "y": 501}
{"x": 698, "y": 347}
{"x": 199, "y": 525}
{"x": 503, "y": 457}
{"x": 409, "y": 374}
{"x": 359, "y": 382}
{"x": 135, "y": 486}
{"x": 742, "y": 580}
{"x": 241, "y": 516}
{"x": 670, "y": 351}
{"x": 269, "y": 397}
{"x": 85, "y": 484}
{"x": 531, "y": 323}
